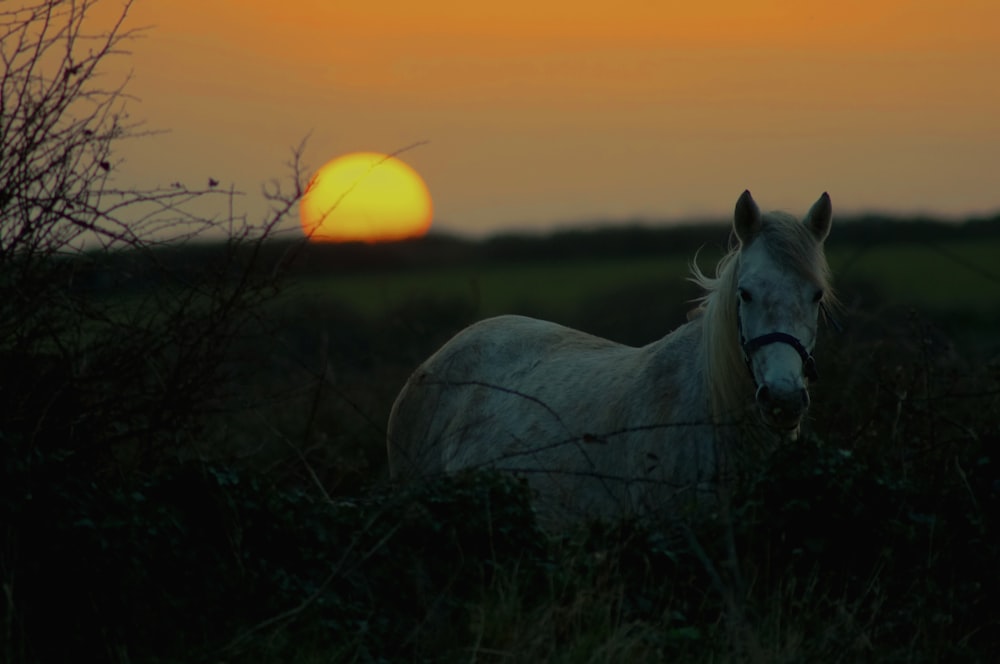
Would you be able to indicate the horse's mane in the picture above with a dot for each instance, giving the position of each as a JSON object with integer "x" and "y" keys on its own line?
{"x": 791, "y": 243}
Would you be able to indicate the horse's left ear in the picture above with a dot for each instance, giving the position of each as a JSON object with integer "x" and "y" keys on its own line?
{"x": 820, "y": 217}
{"x": 746, "y": 221}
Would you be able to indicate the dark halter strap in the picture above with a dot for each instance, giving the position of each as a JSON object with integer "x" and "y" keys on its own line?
{"x": 808, "y": 361}
{"x": 749, "y": 347}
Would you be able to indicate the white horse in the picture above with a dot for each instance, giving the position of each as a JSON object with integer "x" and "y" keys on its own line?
{"x": 603, "y": 430}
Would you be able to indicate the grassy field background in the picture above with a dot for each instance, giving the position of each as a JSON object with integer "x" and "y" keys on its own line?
{"x": 940, "y": 277}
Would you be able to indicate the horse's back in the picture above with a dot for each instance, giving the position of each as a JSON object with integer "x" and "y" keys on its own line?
{"x": 497, "y": 378}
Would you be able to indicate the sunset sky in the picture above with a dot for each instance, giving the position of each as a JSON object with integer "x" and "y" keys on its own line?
{"x": 541, "y": 114}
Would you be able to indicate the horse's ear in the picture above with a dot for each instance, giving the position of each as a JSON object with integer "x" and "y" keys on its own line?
{"x": 820, "y": 217}
{"x": 746, "y": 223}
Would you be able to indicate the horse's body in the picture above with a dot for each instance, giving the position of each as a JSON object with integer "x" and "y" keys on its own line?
{"x": 600, "y": 429}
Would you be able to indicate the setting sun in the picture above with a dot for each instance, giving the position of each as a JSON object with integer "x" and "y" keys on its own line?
{"x": 365, "y": 197}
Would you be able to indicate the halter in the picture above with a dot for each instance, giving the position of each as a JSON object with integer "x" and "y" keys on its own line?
{"x": 749, "y": 347}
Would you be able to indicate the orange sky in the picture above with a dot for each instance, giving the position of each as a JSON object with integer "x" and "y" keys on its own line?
{"x": 540, "y": 113}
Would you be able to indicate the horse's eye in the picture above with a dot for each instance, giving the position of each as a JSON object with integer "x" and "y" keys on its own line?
{"x": 745, "y": 295}
{"x": 818, "y": 296}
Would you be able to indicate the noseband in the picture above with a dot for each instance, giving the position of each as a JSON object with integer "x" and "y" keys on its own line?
{"x": 749, "y": 347}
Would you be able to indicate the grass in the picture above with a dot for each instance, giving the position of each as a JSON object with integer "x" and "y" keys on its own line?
{"x": 557, "y": 288}
{"x": 938, "y": 278}
{"x": 943, "y": 277}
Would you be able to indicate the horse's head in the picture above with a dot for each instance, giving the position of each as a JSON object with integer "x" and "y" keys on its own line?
{"x": 781, "y": 284}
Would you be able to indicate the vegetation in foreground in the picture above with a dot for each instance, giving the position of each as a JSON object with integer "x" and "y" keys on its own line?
{"x": 874, "y": 538}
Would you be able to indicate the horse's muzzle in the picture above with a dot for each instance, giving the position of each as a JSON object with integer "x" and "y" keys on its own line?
{"x": 782, "y": 410}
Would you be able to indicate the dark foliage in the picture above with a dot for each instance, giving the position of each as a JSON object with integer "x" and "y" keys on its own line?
{"x": 187, "y": 562}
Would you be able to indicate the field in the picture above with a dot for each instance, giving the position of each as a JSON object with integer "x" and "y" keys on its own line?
{"x": 942, "y": 279}
{"x": 952, "y": 276}
{"x": 240, "y": 510}
{"x": 557, "y": 290}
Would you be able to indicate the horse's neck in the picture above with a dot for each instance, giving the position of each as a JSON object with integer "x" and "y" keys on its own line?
{"x": 681, "y": 358}
{"x": 677, "y": 369}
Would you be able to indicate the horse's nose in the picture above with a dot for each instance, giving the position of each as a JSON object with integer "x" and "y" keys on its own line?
{"x": 784, "y": 407}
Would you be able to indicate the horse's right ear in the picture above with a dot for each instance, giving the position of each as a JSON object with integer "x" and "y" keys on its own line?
{"x": 746, "y": 223}
{"x": 820, "y": 217}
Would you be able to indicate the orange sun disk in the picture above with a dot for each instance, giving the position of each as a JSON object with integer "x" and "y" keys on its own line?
{"x": 365, "y": 197}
